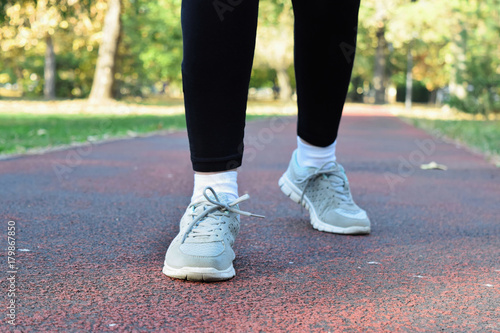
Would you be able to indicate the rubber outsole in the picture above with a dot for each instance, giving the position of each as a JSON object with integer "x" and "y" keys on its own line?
{"x": 201, "y": 274}
{"x": 291, "y": 191}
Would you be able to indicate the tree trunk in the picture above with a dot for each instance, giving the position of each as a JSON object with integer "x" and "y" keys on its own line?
{"x": 458, "y": 47}
{"x": 284, "y": 85}
{"x": 379, "y": 79}
{"x": 49, "y": 73}
{"x": 409, "y": 77}
{"x": 102, "y": 87}
{"x": 433, "y": 98}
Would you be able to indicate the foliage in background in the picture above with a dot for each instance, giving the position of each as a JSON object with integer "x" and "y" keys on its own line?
{"x": 274, "y": 46}
{"x": 150, "y": 54}
{"x": 73, "y": 26}
{"x": 478, "y": 56}
{"x": 455, "y": 46}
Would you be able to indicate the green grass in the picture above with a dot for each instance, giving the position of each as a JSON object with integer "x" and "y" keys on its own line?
{"x": 158, "y": 101}
{"x": 483, "y": 135}
{"x": 21, "y": 132}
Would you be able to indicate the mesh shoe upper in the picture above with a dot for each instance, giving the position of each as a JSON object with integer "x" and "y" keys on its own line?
{"x": 207, "y": 233}
{"x": 208, "y": 236}
{"x": 327, "y": 190}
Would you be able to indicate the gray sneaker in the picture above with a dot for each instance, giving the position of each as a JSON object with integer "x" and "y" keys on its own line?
{"x": 202, "y": 251}
{"x": 325, "y": 193}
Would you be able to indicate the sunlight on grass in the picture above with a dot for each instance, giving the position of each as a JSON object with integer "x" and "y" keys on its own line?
{"x": 22, "y": 132}
{"x": 478, "y": 132}
{"x": 484, "y": 135}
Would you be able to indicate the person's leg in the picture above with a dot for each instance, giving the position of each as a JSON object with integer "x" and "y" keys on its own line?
{"x": 219, "y": 40}
{"x": 218, "y": 54}
{"x": 325, "y": 41}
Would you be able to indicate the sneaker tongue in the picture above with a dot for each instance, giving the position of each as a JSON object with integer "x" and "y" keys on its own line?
{"x": 224, "y": 198}
{"x": 331, "y": 165}
{"x": 337, "y": 177}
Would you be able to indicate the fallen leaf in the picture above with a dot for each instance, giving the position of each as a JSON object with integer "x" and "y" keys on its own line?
{"x": 433, "y": 166}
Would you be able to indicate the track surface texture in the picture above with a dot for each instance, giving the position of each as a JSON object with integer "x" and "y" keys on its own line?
{"x": 93, "y": 225}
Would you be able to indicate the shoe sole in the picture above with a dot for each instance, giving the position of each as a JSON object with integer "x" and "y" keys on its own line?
{"x": 294, "y": 193}
{"x": 201, "y": 274}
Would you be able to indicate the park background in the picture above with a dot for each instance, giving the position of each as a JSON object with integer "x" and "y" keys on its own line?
{"x": 74, "y": 71}
{"x": 93, "y": 221}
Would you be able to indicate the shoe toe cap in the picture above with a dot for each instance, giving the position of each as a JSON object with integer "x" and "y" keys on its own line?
{"x": 357, "y": 214}
{"x": 215, "y": 255}
{"x": 212, "y": 249}
{"x": 344, "y": 218}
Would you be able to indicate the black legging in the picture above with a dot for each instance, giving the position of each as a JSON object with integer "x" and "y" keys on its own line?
{"x": 219, "y": 41}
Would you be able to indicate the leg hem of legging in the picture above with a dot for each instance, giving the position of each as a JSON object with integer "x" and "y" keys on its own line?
{"x": 315, "y": 140}
{"x": 215, "y": 166}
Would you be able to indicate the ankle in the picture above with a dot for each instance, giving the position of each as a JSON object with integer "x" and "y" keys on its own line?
{"x": 314, "y": 156}
{"x": 225, "y": 182}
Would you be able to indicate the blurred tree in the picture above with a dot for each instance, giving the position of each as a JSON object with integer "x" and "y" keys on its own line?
{"x": 456, "y": 47}
{"x": 362, "y": 72}
{"x": 428, "y": 27}
{"x": 274, "y": 47}
{"x": 150, "y": 53}
{"x": 104, "y": 75}
{"x": 475, "y": 77}
{"x": 28, "y": 23}
{"x": 35, "y": 34}
{"x": 49, "y": 73}
{"x": 374, "y": 17}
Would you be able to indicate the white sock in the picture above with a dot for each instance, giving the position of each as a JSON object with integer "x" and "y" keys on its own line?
{"x": 221, "y": 182}
{"x": 313, "y": 156}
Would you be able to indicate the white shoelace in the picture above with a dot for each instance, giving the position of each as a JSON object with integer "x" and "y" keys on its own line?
{"x": 215, "y": 208}
{"x": 338, "y": 182}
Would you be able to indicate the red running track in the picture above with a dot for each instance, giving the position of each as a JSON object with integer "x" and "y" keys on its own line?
{"x": 93, "y": 225}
